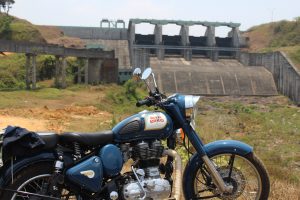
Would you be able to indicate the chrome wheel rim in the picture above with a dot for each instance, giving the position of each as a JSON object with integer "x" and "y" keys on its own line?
{"x": 245, "y": 178}
{"x": 34, "y": 185}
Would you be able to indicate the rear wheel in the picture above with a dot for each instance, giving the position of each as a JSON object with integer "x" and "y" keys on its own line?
{"x": 246, "y": 174}
{"x": 33, "y": 179}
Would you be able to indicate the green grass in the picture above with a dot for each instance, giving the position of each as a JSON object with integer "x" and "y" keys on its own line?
{"x": 121, "y": 100}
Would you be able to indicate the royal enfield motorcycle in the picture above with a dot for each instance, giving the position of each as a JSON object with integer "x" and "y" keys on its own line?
{"x": 136, "y": 160}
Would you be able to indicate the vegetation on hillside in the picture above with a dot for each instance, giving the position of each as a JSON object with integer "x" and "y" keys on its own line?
{"x": 12, "y": 28}
{"x": 277, "y": 36}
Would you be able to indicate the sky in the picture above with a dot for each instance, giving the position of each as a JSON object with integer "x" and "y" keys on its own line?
{"x": 90, "y": 12}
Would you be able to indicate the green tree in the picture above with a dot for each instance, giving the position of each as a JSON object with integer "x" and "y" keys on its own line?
{"x": 6, "y": 5}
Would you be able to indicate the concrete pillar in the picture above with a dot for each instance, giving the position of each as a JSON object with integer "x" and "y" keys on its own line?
{"x": 131, "y": 41}
{"x": 63, "y": 73}
{"x": 143, "y": 58}
{"x": 236, "y": 39}
{"x": 94, "y": 70}
{"x": 185, "y": 41}
{"x": 78, "y": 74}
{"x": 57, "y": 72}
{"x": 136, "y": 62}
{"x": 33, "y": 72}
{"x": 28, "y": 77}
{"x": 86, "y": 71}
{"x": 158, "y": 41}
{"x": 211, "y": 42}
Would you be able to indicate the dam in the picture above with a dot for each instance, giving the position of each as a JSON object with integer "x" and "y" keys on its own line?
{"x": 204, "y": 65}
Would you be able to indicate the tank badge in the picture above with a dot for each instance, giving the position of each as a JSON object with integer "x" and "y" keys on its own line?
{"x": 88, "y": 173}
{"x": 155, "y": 121}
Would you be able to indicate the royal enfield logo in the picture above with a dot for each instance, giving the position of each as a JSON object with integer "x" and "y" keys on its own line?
{"x": 155, "y": 121}
{"x": 88, "y": 173}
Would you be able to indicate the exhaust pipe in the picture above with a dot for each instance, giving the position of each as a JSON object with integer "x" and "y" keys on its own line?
{"x": 178, "y": 172}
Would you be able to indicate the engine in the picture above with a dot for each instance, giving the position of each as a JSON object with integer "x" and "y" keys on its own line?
{"x": 146, "y": 182}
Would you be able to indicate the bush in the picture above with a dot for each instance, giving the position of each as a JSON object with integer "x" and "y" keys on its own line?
{"x": 8, "y": 81}
{"x": 5, "y": 30}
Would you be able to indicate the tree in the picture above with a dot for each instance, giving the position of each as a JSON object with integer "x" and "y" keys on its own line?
{"x": 6, "y": 5}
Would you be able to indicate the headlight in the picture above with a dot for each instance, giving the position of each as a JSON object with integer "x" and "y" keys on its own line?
{"x": 191, "y": 108}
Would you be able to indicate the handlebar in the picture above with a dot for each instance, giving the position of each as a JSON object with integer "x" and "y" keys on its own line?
{"x": 147, "y": 102}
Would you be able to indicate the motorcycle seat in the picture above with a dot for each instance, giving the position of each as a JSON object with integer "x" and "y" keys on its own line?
{"x": 87, "y": 139}
{"x": 50, "y": 139}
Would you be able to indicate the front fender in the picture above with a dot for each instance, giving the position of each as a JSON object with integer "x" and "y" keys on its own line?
{"x": 220, "y": 147}
{"x": 18, "y": 165}
{"x": 227, "y": 146}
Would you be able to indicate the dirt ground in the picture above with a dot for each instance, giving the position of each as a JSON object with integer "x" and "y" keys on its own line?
{"x": 57, "y": 120}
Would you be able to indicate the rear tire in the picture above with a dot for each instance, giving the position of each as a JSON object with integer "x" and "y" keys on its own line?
{"x": 30, "y": 179}
{"x": 198, "y": 187}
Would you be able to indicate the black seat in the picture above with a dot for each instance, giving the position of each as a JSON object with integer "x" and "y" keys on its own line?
{"x": 51, "y": 139}
{"x": 87, "y": 139}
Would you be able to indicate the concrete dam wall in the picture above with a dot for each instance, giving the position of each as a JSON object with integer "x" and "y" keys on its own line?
{"x": 204, "y": 77}
{"x": 285, "y": 74}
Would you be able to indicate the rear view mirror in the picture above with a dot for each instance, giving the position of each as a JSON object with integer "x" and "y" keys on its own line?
{"x": 146, "y": 73}
{"x": 136, "y": 75}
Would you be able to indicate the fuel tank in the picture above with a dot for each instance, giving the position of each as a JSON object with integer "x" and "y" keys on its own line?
{"x": 144, "y": 125}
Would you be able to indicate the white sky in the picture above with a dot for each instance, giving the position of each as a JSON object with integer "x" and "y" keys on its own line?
{"x": 90, "y": 12}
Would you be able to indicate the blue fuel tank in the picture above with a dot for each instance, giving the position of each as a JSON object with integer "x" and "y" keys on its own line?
{"x": 142, "y": 126}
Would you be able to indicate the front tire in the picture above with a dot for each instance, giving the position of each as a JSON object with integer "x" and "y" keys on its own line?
{"x": 246, "y": 174}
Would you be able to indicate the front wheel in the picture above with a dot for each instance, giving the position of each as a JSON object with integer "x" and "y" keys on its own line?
{"x": 246, "y": 174}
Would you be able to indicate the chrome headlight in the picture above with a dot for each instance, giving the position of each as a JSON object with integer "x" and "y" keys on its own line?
{"x": 191, "y": 108}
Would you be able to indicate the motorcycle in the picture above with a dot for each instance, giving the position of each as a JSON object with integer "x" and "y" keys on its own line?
{"x": 91, "y": 165}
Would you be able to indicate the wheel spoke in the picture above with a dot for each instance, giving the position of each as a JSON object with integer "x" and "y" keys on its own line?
{"x": 230, "y": 165}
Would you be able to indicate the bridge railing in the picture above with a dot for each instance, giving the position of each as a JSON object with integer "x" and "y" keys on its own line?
{"x": 35, "y": 48}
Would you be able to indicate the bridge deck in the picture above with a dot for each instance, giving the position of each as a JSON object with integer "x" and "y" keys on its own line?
{"x": 34, "y": 48}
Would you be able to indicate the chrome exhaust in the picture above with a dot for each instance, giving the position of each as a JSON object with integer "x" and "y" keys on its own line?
{"x": 178, "y": 172}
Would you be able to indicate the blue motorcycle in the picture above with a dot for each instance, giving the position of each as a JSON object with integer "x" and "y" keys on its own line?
{"x": 137, "y": 160}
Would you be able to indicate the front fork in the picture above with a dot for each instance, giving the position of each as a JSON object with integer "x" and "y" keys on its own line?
{"x": 198, "y": 145}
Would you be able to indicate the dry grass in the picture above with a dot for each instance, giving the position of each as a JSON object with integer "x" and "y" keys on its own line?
{"x": 284, "y": 191}
{"x": 259, "y": 37}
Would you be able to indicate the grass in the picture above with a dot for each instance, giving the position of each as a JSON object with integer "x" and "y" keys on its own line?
{"x": 272, "y": 129}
